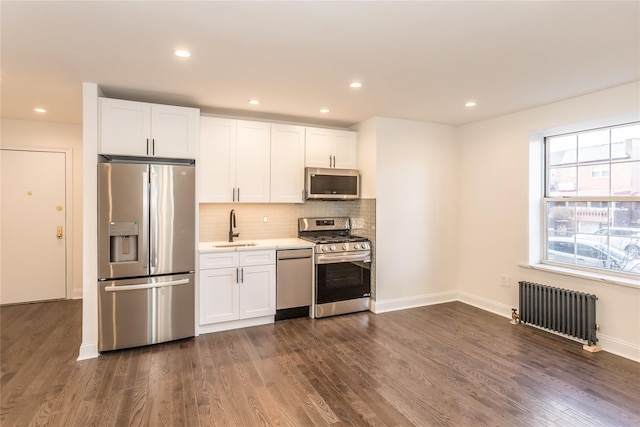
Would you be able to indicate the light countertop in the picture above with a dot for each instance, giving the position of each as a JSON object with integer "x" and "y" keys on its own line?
{"x": 252, "y": 245}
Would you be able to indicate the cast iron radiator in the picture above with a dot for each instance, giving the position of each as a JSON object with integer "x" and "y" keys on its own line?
{"x": 569, "y": 312}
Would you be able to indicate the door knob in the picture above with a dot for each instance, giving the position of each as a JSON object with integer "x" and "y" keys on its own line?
{"x": 59, "y": 232}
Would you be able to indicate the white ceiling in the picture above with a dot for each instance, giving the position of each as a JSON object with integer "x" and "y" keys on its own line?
{"x": 416, "y": 60}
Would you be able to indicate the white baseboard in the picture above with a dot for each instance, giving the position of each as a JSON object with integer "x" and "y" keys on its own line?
{"x": 485, "y": 304}
{"x": 235, "y": 324}
{"x": 88, "y": 351}
{"x": 76, "y": 294}
{"x": 619, "y": 347}
{"x": 378, "y": 306}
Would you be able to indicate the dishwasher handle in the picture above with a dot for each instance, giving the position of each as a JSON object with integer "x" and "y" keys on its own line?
{"x": 290, "y": 254}
{"x": 293, "y": 257}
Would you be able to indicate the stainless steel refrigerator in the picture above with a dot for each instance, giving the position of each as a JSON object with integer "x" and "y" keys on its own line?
{"x": 146, "y": 252}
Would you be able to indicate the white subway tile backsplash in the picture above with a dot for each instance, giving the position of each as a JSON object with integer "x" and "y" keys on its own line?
{"x": 282, "y": 219}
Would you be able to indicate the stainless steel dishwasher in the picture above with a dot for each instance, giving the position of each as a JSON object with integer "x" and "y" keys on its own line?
{"x": 294, "y": 281}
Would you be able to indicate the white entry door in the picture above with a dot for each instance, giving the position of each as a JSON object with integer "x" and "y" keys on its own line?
{"x": 33, "y": 226}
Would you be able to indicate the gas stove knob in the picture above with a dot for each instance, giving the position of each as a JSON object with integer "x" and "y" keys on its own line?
{"x": 345, "y": 247}
{"x": 357, "y": 246}
{"x": 333, "y": 248}
{"x": 366, "y": 246}
{"x": 325, "y": 248}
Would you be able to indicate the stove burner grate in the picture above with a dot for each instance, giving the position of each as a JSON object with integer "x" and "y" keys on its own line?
{"x": 333, "y": 239}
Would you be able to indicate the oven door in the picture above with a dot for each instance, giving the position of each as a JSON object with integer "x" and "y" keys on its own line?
{"x": 341, "y": 277}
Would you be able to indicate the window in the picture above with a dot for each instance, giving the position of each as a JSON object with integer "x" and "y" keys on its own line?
{"x": 592, "y": 199}
{"x": 600, "y": 171}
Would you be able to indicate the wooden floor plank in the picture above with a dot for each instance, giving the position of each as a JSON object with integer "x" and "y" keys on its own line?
{"x": 443, "y": 365}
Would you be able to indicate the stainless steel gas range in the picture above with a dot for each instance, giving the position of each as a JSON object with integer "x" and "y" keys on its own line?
{"x": 342, "y": 266}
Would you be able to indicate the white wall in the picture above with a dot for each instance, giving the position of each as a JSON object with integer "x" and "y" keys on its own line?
{"x": 416, "y": 167}
{"x": 493, "y": 214}
{"x": 35, "y": 135}
{"x": 367, "y": 153}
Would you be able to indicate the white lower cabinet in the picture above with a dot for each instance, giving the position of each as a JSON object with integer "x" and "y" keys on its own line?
{"x": 219, "y": 294}
{"x": 237, "y": 285}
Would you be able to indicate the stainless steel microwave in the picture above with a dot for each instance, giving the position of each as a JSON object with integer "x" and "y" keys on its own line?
{"x": 332, "y": 184}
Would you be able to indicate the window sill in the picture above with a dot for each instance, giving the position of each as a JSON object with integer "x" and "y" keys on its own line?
{"x": 606, "y": 278}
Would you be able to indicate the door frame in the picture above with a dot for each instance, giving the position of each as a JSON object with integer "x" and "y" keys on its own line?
{"x": 68, "y": 205}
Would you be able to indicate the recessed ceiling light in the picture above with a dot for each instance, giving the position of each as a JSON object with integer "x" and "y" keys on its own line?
{"x": 40, "y": 110}
{"x": 355, "y": 84}
{"x": 470, "y": 104}
{"x": 254, "y": 102}
{"x": 324, "y": 110}
{"x": 182, "y": 53}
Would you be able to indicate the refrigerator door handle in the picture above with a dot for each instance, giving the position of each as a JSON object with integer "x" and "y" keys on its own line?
{"x": 143, "y": 248}
{"x": 145, "y": 286}
{"x": 153, "y": 220}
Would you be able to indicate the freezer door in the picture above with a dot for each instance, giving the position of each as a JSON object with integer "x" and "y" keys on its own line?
{"x": 172, "y": 219}
{"x": 123, "y": 220}
{"x": 175, "y": 308}
{"x": 135, "y": 312}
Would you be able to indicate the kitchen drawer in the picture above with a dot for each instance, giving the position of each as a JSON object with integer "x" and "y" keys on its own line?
{"x": 257, "y": 257}
{"x": 219, "y": 260}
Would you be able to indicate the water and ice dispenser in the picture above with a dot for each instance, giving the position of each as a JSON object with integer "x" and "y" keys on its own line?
{"x": 123, "y": 241}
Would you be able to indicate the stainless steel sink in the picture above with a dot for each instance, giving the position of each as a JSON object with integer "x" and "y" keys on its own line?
{"x": 235, "y": 245}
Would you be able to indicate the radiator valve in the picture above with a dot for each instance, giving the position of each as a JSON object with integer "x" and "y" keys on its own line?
{"x": 515, "y": 318}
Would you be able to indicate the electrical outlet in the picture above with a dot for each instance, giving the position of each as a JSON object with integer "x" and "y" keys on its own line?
{"x": 505, "y": 281}
{"x": 265, "y": 219}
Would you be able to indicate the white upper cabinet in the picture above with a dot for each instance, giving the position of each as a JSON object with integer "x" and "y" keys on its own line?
{"x": 125, "y": 127}
{"x": 216, "y": 167}
{"x": 234, "y": 161}
{"x": 329, "y": 148}
{"x": 346, "y": 154}
{"x": 151, "y": 130}
{"x": 253, "y": 166}
{"x": 174, "y": 131}
{"x": 287, "y": 163}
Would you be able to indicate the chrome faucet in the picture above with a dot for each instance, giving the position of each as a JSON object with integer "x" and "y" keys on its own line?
{"x": 232, "y": 223}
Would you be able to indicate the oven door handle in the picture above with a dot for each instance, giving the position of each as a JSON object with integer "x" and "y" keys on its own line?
{"x": 335, "y": 258}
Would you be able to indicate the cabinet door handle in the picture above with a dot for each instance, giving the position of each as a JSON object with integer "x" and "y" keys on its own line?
{"x": 238, "y": 193}
{"x": 147, "y": 146}
{"x": 153, "y": 147}
{"x": 237, "y": 275}
{"x": 234, "y": 194}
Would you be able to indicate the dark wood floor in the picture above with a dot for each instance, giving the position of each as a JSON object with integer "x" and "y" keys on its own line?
{"x": 443, "y": 365}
